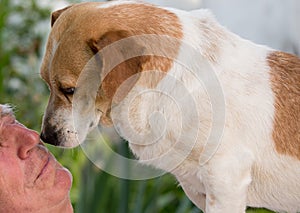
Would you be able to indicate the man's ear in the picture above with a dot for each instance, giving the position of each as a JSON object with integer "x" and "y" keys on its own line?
{"x": 56, "y": 14}
{"x": 127, "y": 71}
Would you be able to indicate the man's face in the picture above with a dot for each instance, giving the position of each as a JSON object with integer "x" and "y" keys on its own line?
{"x": 31, "y": 180}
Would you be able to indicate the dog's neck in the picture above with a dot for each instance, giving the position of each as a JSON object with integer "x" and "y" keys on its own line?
{"x": 155, "y": 114}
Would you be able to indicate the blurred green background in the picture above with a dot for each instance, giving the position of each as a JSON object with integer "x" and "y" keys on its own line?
{"x": 24, "y": 26}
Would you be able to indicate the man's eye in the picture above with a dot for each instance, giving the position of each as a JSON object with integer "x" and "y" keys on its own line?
{"x": 68, "y": 91}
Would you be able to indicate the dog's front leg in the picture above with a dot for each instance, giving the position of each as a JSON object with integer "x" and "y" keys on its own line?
{"x": 226, "y": 179}
{"x": 197, "y": 198}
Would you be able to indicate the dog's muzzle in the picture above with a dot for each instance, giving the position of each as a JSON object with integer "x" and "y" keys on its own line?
{"x": 50, "y": 137}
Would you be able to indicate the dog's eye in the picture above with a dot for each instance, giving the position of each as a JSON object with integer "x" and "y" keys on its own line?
{"x": 68, "y": 91}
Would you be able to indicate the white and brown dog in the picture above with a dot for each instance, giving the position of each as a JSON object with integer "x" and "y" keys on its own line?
{"x": 219, "y": 112}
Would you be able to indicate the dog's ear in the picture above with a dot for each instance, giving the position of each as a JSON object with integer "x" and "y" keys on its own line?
{"x": 97, "y": 44}
{"x": 56, "y": 14}
{"x": 126, "y": 73}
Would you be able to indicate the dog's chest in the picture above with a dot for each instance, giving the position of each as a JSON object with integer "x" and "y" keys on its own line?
{"x": 158, "y": 129}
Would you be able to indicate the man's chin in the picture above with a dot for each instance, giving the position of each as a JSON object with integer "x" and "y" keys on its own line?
{"x": 65, "y": 206}
{"x": 63, "y": 179}
{"x": 68, "y": 208}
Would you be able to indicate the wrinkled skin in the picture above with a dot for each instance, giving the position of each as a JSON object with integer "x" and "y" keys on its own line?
{"x": 31, "y": 180}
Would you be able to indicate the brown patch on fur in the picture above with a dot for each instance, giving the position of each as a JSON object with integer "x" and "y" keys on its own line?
{"x": 127, "y": 69}
{"x": 158, "y": 22}
{"x": 285, "y": 80}
{"x": 85, "y": 28}
{"x": 56, "y": 14}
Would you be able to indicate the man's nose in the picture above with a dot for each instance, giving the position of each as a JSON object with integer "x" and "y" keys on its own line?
{"x": 27, "y": 140}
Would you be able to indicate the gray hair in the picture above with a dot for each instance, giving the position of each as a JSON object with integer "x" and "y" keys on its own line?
{"x": 6, "y": 110}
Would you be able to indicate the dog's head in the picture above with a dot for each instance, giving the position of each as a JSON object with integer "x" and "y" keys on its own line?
{"x": 78, "y": 50}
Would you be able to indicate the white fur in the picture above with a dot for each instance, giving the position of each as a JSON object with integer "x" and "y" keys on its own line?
{"x": 243, "y": 169}
{"x": 116, "y": 3}
{"x": 209, "y": 122}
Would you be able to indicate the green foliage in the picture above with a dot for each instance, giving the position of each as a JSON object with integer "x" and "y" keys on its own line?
{"x": 20, "y": 56}
{"x": 23, "y": 31}
{"x": 102, "y": 191}
{"x": 4, "y": 56}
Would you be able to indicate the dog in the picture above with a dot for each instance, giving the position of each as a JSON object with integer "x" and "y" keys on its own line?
{"x": 221, "y": 113}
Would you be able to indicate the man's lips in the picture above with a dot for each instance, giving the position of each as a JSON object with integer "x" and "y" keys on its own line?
{"x": 44, "y": 167}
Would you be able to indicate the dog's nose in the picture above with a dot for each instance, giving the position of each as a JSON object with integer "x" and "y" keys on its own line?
{"x": 50, "y": 138}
